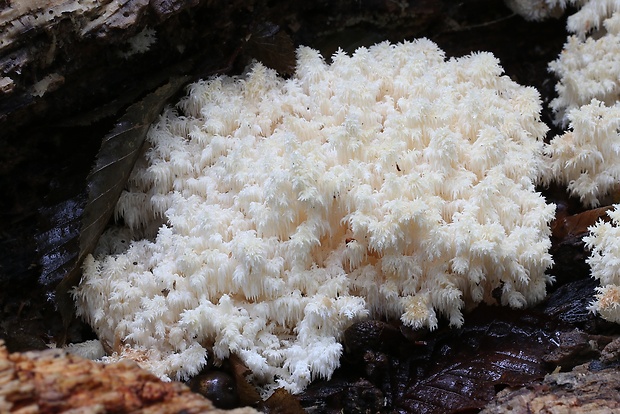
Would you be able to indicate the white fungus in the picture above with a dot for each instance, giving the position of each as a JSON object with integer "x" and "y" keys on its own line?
{"x": 588, "y": 18}
{"x": 586, "y": 158}
{"x": 604, "y": 262}
{"x": 390, "y": 183}
{"x": 589, "y": 66}
{"x": 536, "y": 10}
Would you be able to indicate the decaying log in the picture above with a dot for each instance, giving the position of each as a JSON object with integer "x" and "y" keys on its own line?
{"x": 54, "y": 381}
{"x": 586, "y": 389}
{"x": 60, "y": 58}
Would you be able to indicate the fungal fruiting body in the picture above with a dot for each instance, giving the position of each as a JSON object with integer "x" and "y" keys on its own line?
{"x": 604, "y": 262}
{"x": 589, "y": 66}
{"x": 391, "y": 183}
{"x": 586, "y": 158}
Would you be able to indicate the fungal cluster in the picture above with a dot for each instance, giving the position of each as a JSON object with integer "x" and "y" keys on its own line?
{"x": 586, "y": 157}
{"x": 269, "y": 215}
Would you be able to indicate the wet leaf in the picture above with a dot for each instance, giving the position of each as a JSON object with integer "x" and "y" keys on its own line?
{"x": 464, "y": 368}
{"x": 59, "y": 246}
{"x": 570, "y": 305}
{"x": 446, "y": 371}
{"x": 74, "y": 225}
{"x": 568, "y": 247}
{"x": 566, "y": 226}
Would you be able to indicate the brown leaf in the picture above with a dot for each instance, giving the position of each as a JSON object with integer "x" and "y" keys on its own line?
{"x": 247, "y": 393}
{"x": 568, "y": 226}
{"x": 273, "y": 47}
{"x": 281, "y": 402}
{"x": 497, "y": 348}
{"x": 72, "y": 227}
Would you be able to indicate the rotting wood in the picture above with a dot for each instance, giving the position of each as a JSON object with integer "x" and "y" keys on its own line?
{"x": 585, "y": 389}
{"x": 54, "y": 381}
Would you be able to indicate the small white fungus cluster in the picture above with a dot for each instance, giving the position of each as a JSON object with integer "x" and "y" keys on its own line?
{"x": 536, "y": 10}
{"x": 587, "y": 157}
{"x": 392, "y": 183}
{"x": 589, "y": 66}
{"x": 587, "y": 19}
{"x": 590, "y": 17}
{"x": 605, "y": 264}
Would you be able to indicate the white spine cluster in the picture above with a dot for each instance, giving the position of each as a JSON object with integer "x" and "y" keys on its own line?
{"x": 589, "y": 66}
{"x": 535, "y": 10}
{"x": 587, "y": 157}
{"x": 392, "y": 182}
{"x": 605, "y": 264}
